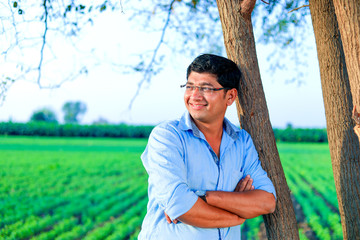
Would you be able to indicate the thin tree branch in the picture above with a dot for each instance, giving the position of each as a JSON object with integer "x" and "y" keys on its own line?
{"x": 149, "y": 72}
{"x": 43, "y": 43}
{"x": 5, "y": 84}
{"x": 295, "y": 9}
{"x": 121, "y": 7}
{"x": 14, "y": 23}
{"x": 71, "y": 77}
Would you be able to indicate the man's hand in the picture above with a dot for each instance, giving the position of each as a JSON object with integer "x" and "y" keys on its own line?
{"x": 169, "y": 220}
{"x": 244, "y": 184}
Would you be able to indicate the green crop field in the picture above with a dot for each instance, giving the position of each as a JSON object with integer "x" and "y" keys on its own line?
{"x": 96, "y": 188}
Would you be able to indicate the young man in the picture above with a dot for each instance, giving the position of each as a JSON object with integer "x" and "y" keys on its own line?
{"x": 200, "y": 165}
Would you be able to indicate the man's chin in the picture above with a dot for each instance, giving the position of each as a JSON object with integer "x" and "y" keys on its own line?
{"x": 198, "y": 118}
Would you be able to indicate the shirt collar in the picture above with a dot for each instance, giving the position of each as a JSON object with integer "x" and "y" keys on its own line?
{"x": 186, "y": 123}
{"x": 231, "y": 129}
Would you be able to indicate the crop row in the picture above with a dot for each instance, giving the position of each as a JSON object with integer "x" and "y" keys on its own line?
{"x": 77, "y": 211}
{"x": 324, "y": 222}
{"x": 112, "y": 214}
{"x": 94, "y": 225}
{"x": 68, "y": 188}
{"x": 13, "y": 209}
{"x": 50, "y": 179}
{"x": 69, "y": 200}
{"x": 322, "y": 181}
{"x": 64, "y": 182}
{"x": 123, "y": 226}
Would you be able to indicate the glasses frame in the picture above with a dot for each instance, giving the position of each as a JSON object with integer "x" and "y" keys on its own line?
{"x": 201, "y": 89}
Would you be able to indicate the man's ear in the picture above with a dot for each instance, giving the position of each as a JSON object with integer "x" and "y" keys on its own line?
{"x": 232, "y": 95}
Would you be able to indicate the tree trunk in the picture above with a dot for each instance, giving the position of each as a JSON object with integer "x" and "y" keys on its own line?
{"x": 253, "y": 114}
{"x": 348, "y": 17}
{"x": 343, "y": 144}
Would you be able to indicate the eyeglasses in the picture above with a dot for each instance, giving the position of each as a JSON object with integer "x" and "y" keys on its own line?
{"x": 202, "y": 90}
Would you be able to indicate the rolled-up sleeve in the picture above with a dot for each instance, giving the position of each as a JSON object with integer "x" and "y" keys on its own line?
{"x": 163, "y": 160}
{"x": 253, "y": 167}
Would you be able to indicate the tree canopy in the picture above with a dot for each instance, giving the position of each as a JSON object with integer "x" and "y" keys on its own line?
{"x": 44, "y": 115}
{"x": 73, "y": 111}
{"x": 186, "y": 27}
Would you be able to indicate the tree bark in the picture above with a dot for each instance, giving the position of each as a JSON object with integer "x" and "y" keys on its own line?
{"x": 343, "y": 144}
{"x": 348, "y": 17}
{"x": 253, "y": 114}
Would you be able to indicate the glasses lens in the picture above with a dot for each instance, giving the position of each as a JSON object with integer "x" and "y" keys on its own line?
{"x": 190, "y": 89}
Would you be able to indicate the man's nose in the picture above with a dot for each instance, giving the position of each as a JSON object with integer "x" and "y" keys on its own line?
{"x": 196, "y": 93}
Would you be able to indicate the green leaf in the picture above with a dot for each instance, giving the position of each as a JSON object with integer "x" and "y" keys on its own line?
{"x": 15, "y": 4}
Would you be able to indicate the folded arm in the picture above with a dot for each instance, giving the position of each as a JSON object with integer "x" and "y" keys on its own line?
{"x": 223, "y": 209}
{"x": 206, "y": 216}
{"x": 247, "y": 204}
{"x": 244, "y": 202}
{"x": 227, "y": 209}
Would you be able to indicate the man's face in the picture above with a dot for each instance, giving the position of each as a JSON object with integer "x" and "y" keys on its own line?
{"x": 206, "y": 107}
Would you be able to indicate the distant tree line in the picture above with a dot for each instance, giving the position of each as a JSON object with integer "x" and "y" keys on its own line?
{"x": 53, "y": 129}
{"x": 49, "y": 129}
{"x": 290, "y": 134}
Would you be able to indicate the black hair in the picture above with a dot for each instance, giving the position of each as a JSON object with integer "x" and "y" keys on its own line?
{"x": 227, "y": 72}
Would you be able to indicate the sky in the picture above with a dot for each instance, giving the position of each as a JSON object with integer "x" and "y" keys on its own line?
{"x": 107, "y": 91}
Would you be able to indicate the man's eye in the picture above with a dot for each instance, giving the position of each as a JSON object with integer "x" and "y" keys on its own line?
{"x": 206, "y": 89}
{"x": 189, "y": 87}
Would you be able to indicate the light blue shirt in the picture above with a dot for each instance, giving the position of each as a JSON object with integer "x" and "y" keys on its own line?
{"x": 180, "y": 162}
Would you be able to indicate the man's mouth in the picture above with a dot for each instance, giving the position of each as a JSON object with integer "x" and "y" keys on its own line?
{"x": 197, "y": 106}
